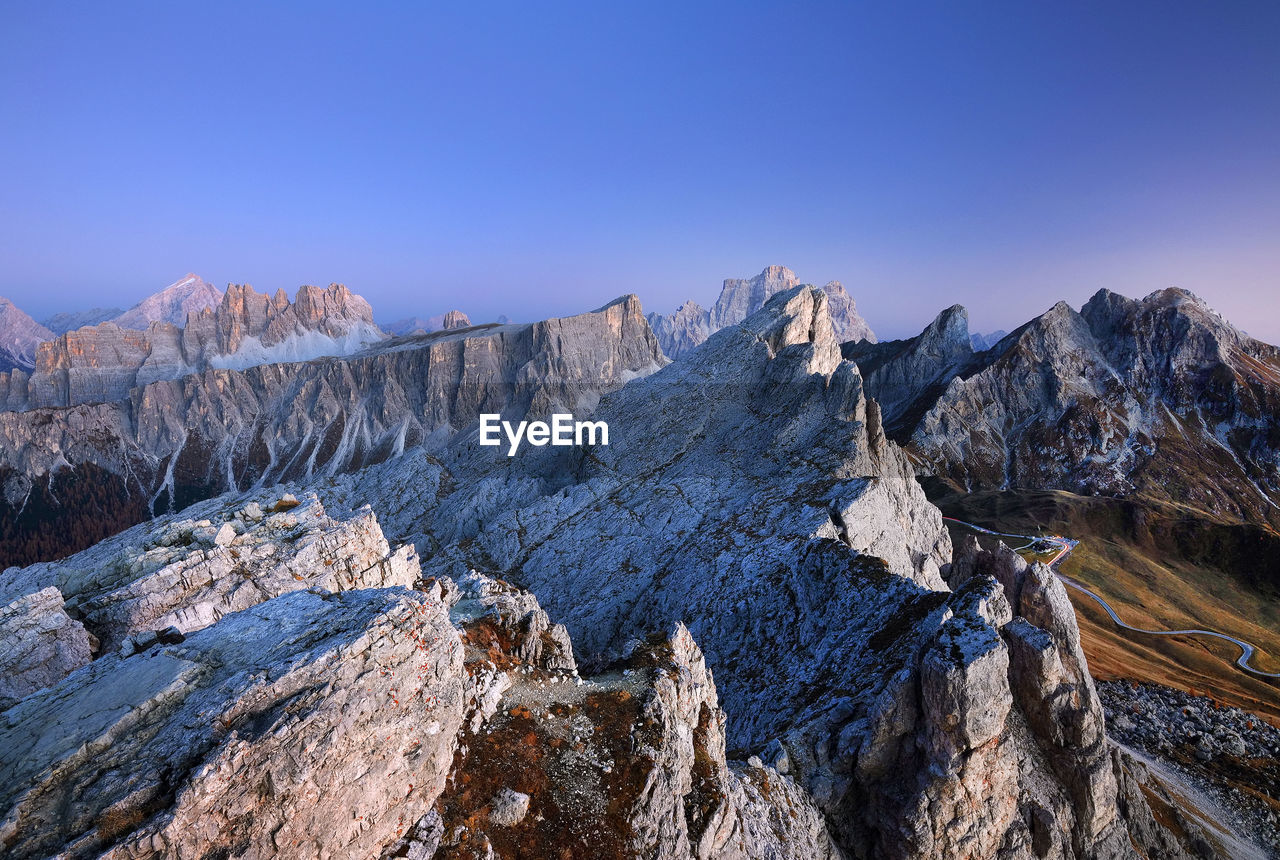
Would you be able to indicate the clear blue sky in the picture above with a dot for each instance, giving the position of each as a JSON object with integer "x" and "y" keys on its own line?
{"x": 541, "y": 158}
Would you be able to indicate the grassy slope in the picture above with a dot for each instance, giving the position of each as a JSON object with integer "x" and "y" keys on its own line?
{"x": 1162, "y": 567}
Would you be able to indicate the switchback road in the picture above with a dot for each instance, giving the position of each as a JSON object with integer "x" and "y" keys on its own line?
{"x": 1065, "y": 545}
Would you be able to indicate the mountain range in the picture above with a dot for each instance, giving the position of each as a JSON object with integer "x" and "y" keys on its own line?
{"x": 20, "y": 335}
{"x": 691, "y": 324}
{"x": 272, "y": 601}
{"x": 1157, "y": 396}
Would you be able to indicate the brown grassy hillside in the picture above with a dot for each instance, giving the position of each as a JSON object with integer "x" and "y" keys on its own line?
{"x": 1160, "y": 566}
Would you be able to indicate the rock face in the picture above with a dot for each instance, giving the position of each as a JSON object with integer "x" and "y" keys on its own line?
{"x": 308, "y": 711}
{"x": 316, "y": 724}
{"x": 104, "y": 363}
{"x": 690, "y": 325}
{"x": 1159, "y": 396}
{"x": 171, "y": 305}
{"x": 309, "y": 726}
{"x": 39, "y": 645}
{"x": 187, "y": 573}
{"x": 176, "y": 441}
{"x": 20, "y": 336}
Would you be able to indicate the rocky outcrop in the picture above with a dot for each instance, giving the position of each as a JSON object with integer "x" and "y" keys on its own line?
{"x": 690, "y": 325}
{"x": 186, "y": 573}
{"x": 171, "y": 305}
{"x": 303, "y": 709}
{"x": 39, "y": 644}
{"x": 177, "y": 441}
{"x": 628, "y": 762}
{"x": 1160, "y": 397}
{"x": 455, "y": 319}
{"x": 312, "y": 725}
{"x": 20, "y": 336}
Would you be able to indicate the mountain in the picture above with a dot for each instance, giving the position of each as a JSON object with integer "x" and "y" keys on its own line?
{"x": 417, "y": 325}
{"x": 20, "y": 336}
{"x": 1160, "y": 397}
{"x": 982, "y": 342}
{"x": 74, "y": 475}
{"x": 738, "y": 630}
{"x": 72, "y": 320}
{"x": 104, "y": 363}
{"x": 691, "y": 324}
{"x": 172, "y": 304}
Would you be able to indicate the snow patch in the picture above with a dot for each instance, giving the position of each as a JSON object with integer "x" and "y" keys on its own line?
{"x": 299, "y": 346}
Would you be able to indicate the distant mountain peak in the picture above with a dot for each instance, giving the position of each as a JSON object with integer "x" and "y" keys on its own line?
{"x": 690, "y": 324}
{"x": 19, "y": 337}
{"x": 447, "y": 321}
{"x": 187, "y": 295}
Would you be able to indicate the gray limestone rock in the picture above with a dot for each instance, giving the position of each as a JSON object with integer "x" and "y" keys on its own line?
{"x": 39, "y": 644}
{"x": 508, "y": 807}
{"x": 690, "y": 325}
{"x": 188, "y": 576}
{"x": 307, "y": 726}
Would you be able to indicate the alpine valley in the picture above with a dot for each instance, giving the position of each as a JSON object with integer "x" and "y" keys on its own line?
{"x": 819, "y": 596}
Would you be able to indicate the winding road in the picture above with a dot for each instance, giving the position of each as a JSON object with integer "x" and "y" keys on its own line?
{"x": 1066, "y": 545}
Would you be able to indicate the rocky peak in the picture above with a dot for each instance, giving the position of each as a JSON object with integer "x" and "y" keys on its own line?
{"x": 1168, "y": 328}
{"x": 901, "y": 375}
{"x": 690, "y": 325}
{"x": 1108, "y": 400}
{"x": 741, "y": 297}
{"x": 948, "y": 335}
{"x": 800, "y": 317}
{"x": 455, "y": 319}
{"x": 683, "y": 330}
{"x": 320, "y": 309}
{"x": 173, "y": 304}
{"x": 20, "y": 336}
{"x": 447, "y": 321}
{"x": 845, "y": 319}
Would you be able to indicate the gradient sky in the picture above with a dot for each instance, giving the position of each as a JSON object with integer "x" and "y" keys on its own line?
{"x": 538, "y": 159}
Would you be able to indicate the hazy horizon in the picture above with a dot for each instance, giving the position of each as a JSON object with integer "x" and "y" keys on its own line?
{"x": 538, "y": 162}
